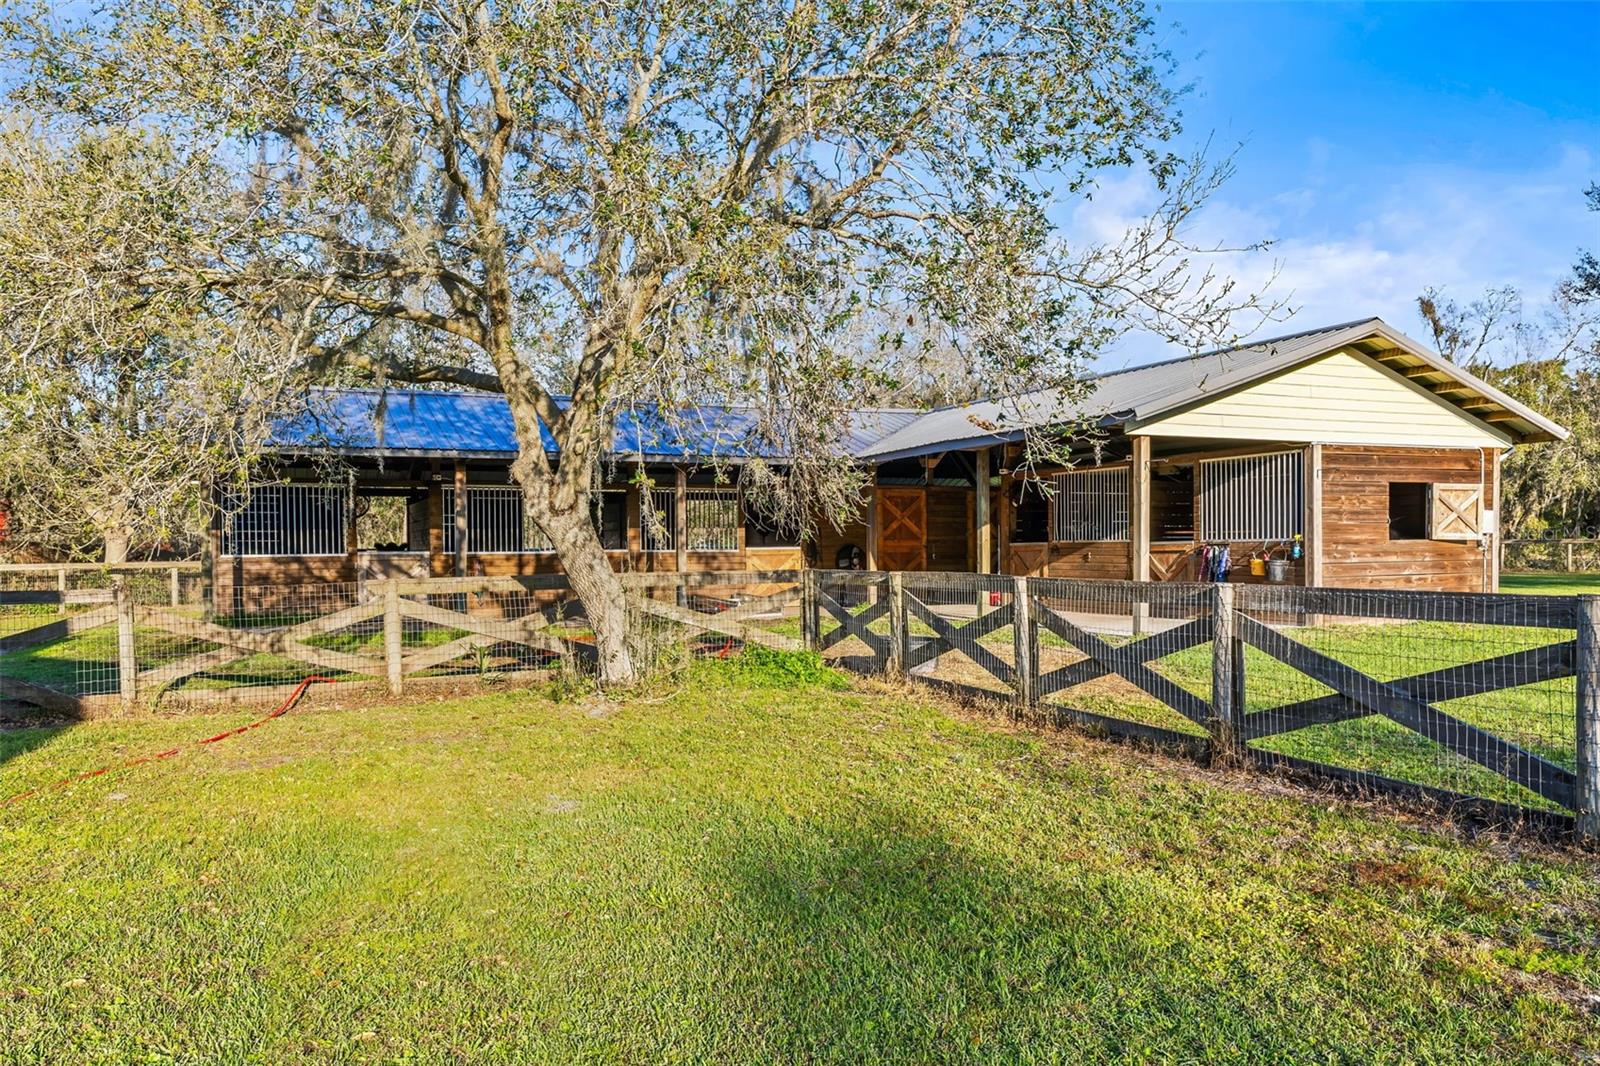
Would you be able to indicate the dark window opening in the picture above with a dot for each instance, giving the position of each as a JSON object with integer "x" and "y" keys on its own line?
{"x": 1172, "y": 505}
{"x": 611, "y": 520}
{"x": 1030, "y": 514}
{"x": 902, "y": 472}
{"x": 763, "y": 532}
{"x": 1408, "y": 510}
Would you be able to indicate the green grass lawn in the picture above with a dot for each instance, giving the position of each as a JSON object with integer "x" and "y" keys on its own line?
{"x": 1551, "y": 584}
{"x": 731, "y": 870}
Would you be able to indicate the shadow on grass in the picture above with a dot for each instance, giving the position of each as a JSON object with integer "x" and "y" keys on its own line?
{"x": 15, "y": 743}
{"x": 881, "y": 940}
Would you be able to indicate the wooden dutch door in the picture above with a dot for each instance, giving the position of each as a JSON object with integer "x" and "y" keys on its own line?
{"x": 902, "y": 529}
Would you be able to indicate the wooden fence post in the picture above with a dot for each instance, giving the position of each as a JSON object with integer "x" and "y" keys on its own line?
{"x": 127, "y": 660}
{"x": 61, "y": 587}
{"x": 392, "y": 633}
{"x": 176, "y": 591}
{"x": 1024, "y": 642}
{"x": 809, "y": 619}
{"x": 1588, "y": 724}
{"x": 898, "y": 631}
{"x": 1570, "y": 547}
{"x": 1225, "y": 664}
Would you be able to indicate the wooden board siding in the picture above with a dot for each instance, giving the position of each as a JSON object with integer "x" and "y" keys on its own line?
{"x": 1341, "y": 398}
{"x": 1097, "y": 560}
{"x": 830, "y": 540}
{"x": 1356, "y": 549}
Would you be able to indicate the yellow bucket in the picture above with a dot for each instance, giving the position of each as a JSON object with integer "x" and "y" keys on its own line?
{"x": 1258, "y": 567}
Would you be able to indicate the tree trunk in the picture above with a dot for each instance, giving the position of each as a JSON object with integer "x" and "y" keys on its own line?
{"x": 577, "y": 545}
{"x": 117, "y": 542}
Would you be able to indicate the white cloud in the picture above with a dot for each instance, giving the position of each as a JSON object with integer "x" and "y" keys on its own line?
{"x": 1395, "y": 231}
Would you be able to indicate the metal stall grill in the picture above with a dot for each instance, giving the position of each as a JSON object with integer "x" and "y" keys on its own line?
{"x": 658, "y": 520}
{"x": 1251, "y": 497}
{"x": 711, "y": 520}
{"x": 286, "y": 520}
{"x": 497, "y": 523}
{"x": 1091, "y": 505}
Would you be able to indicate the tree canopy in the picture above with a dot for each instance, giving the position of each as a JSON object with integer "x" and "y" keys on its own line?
{"x": 590, "y": 207}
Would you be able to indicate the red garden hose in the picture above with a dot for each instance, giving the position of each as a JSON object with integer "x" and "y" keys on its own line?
{"x": 282, "y": 709}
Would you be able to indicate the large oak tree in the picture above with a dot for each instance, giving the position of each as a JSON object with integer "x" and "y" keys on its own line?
{"x": 593, "y": 206}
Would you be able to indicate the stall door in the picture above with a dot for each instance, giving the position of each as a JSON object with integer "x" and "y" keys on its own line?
{"x": 902, "y": 529}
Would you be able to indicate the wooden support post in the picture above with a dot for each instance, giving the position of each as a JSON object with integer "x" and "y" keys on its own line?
{"x": 1588, "y": 723}
{"x": 1313, "y": 523}
{"x": 1570, "y": 548}
{"x": 393, "y": 646}
{"x": 680, "y": 526}
{"x": 127, "y": 660}
{"x": 872, "y": 530}
{"x": 175, "y": 593}
{"x": 462, "y": 530}
{"x": 61, "y": 587}
{"x": 1024, "y": 643}
{"x": 983, "y": 531}
{"x": 810, "y": 619}
{"x": 1139, "y": 524}
{"x": 899, "y": 633}
{"x": 1496, "y": 551}
{"x": 1226, "y": 662}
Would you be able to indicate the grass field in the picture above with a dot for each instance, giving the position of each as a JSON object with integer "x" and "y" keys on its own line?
{"x": 1551, "y": 584}
{"x": 733, "y": 869}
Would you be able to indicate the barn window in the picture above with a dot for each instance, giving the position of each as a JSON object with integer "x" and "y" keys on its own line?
{"x": 1408, "y": 510}
{"x": 658, "y": 520}
{"x": 763, "y": 532}
{"x": 286, "y": 520}
{"x": 711, "y": 520}
{"x": 611, "y": 519}
{"x": 382, "y": 522}
{"x": 498, "y": 523}
{"x": 1030, "y": 514}
{"x": 1091, "y": 504}
{"x": 1252, "y": 497}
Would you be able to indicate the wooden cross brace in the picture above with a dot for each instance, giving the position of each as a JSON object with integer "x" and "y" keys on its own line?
{"x": 1128, "y": 662}
{"x": 963, "y": 639}
{"x": 1404, "y": 707}
{"x": 853, "y": 625}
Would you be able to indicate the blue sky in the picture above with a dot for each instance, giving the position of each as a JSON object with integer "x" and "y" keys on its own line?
{"x": 1387, "y": 147}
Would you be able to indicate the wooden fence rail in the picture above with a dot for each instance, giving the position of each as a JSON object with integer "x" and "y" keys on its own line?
{"x": 486, "y": 612}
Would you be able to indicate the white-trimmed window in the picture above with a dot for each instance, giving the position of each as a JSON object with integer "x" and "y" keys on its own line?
{"x": 1091, "y": 504}
{"x": 286, "y": 520}
{"x": 498, "y": 523}
{"x": 1252, "y": 497}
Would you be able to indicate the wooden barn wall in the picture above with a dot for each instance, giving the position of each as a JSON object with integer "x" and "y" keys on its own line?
{"x": 830, "y": 540}
{"x": 1356, "y": 549}
{"x": 1109, "y": 560}
{"x": 949, "y": 536}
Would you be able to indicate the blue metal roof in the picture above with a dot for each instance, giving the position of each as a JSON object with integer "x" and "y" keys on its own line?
{"x": 478, "y": 424}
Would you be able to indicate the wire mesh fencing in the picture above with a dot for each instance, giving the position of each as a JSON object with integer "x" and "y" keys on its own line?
{"x": 1455, "y": 694}
{"x": 1558, "y": 554}
{"x": 960, "y": 631}
{"x": 1474, "y": 694}
{"x": 1133, "y": 657}
{"x": 847, "y": 619}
